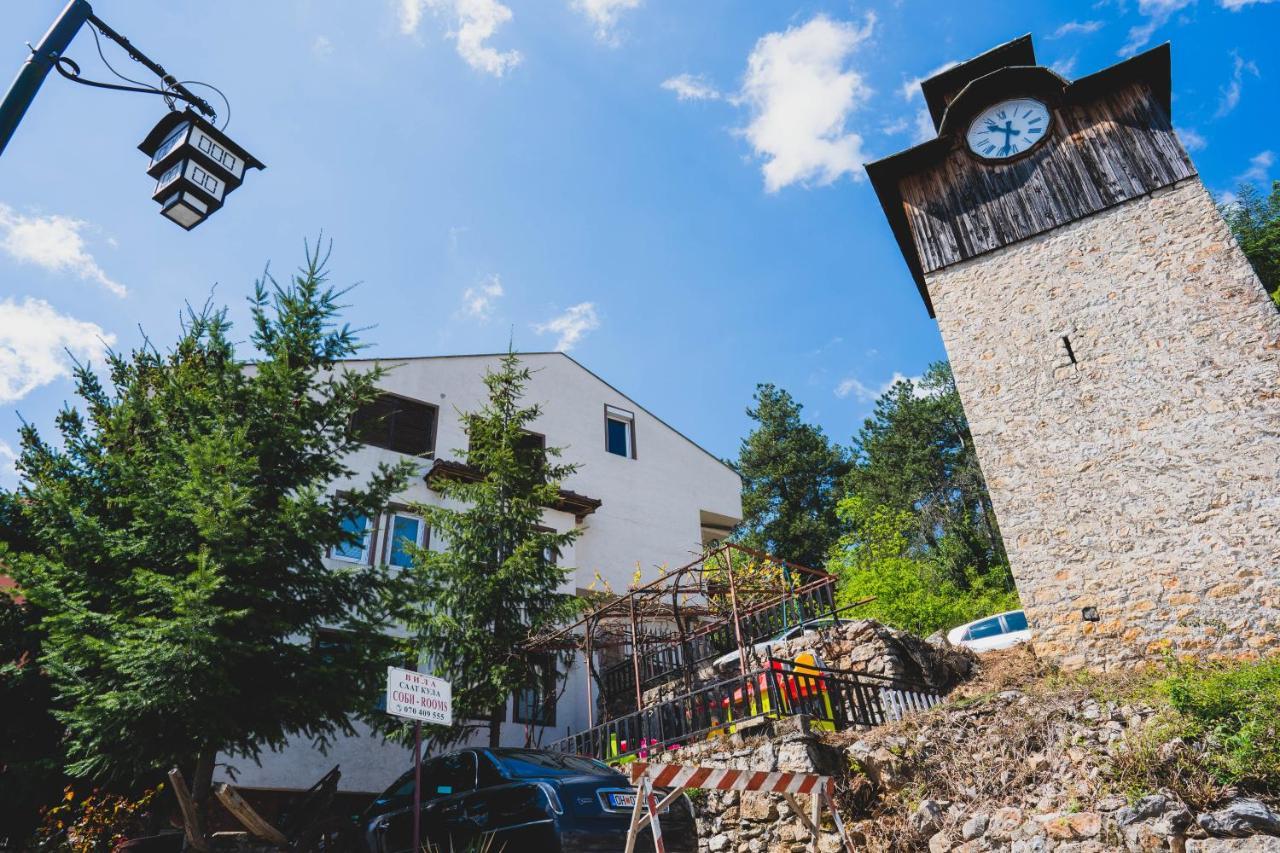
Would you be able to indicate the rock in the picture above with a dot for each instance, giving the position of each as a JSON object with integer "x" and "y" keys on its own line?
{"x": 1037, "y": 763}
{"x": 1241, "y": 818}
{"x": 975, "y": 827}
{"x": 939, "y": 843}
{"x": 718, "y": 843}
{"x": 758, "y": 807}
{"x": 1141, "y": 838}
{"x": 1069, "y": 827}
{"x": 1110, "y": 804}
{"x": 927, "y": 818}
{"x": 1035, "y": 844}
{"x": 1256, "y": 844}
{"x": 1005, "y": 822}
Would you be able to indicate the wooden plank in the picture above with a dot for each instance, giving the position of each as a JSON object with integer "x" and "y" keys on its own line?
{"x": 1116, "y": 148}
{"x": 249, "y": 819}
{"x": 191, "y": 823}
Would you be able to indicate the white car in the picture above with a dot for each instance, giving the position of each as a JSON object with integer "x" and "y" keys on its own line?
{"x": 994, "y": 632}
{"x": 813, "y": 626}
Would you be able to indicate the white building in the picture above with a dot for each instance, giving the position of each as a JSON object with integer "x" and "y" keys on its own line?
{"x": 643, "y": 494}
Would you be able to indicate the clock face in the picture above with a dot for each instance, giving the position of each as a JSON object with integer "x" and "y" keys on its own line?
{"x": 1008, "y": 128}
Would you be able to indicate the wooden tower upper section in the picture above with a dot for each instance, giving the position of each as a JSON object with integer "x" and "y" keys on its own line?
{"x": 1104, "y": 139}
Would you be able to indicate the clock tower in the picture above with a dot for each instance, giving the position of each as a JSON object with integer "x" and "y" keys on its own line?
{"x": 1117, "y": 357}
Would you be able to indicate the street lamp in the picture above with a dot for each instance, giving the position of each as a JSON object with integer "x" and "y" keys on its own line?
{"x": 196, "y": 166}
{"x": 194, "y": 163}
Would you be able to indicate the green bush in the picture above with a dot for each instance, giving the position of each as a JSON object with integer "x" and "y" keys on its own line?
{"x": 1235, "y": 711}
{"x": 911, "y": 592}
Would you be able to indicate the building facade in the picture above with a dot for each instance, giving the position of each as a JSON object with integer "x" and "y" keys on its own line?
{"x": 643, "y": 495}
{"x": 1117, "y": 357}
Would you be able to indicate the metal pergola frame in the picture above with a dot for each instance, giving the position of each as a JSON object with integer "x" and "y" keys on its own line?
{"x": 700, "y": 597}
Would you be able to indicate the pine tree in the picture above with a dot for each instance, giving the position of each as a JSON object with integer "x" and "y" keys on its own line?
{"x": 915, "y": 454}
{"x": 790, "y": 475}
{"x": 497, "y": 580}
{"x": 178, "y": 532}
{"x": 1254, "y": 219}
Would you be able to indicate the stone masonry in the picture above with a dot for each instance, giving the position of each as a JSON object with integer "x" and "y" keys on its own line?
{"x": 1138, "y": 472}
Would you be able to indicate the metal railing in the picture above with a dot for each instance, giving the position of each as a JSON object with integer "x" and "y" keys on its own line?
{"x": 660, "y": 665}
{"x": 833, "y": 700}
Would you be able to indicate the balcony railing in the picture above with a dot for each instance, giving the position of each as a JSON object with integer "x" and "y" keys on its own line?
{"x": 833, "y": 700}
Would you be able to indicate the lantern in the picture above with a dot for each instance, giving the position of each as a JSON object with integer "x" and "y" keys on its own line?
{"x": 196, "y": 166}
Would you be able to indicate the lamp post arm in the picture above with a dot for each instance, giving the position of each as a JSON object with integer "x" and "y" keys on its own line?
{"x": 36, "y": 68}
{"x": 138, "y": 56}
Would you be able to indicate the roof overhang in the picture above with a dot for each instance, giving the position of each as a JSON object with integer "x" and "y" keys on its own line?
{"x": 444, "y": 469}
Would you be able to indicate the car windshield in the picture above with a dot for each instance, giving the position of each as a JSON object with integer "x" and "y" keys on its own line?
{"x": 530, "y": 764}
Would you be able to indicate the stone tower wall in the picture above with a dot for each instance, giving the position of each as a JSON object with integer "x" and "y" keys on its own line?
{"x": 1144, "y": 479}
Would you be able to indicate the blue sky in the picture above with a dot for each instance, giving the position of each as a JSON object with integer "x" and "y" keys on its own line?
{"x": 671, "y": 191}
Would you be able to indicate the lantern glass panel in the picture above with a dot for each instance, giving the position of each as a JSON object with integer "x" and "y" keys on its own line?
{"x": 184, "y": 209}
{"x": 171, "y": 142}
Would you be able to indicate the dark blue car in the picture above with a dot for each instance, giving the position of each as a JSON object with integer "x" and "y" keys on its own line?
{"x": 522, "y": 799}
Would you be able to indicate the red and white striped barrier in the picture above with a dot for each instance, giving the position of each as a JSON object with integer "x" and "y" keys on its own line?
{"x": 727, "y": 779}
{"x": 646, "y": 777}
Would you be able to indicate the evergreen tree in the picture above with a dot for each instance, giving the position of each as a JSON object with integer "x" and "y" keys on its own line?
{"x": 790, "y": 476}
{"x": 178, "y": 530}
{"x": 1254, "y": 219}
{"x": 915, "y": 454}
{"x": 497, "y": 580}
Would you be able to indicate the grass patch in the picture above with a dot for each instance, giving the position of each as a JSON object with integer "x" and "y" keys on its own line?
{"x": 1235, "y": 712}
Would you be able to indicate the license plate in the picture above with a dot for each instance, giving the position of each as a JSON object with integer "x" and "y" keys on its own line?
{"x": 622, "y": 801}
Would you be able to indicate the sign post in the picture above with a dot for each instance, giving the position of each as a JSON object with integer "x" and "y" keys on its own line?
{"x": 414, "y": 696}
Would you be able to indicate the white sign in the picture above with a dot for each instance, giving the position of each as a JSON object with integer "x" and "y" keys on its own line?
{"x": 419, "y": 697}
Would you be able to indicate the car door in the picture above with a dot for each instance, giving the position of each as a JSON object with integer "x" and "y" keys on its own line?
{"x": 395, "y": 829}
{"x": 452, "y": 784}
{"x": 984, "y": 634}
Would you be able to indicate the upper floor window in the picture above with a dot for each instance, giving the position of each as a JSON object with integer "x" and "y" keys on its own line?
{"x": 620, "y": 432}
{"x": 399, "y": 424}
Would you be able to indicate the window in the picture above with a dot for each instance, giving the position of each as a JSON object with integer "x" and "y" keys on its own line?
{"x": 536, "y": 704}
{"x": 356, "y": 547}
{"x": 449, "y": 774}
{"x": 395, "y": 423}
{"x": 985, "y": 628}
{"x": 620, "y": 432}
{"x": 403, "y": 534}
{"x": 330, "y": 644}
{"x": 1016, "y": 621}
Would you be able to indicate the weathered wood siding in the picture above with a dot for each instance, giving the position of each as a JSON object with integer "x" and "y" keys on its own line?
{"x": 1114, "y": 148}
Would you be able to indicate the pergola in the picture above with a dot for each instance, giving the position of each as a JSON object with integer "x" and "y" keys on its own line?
{"x": 729, "y": 597}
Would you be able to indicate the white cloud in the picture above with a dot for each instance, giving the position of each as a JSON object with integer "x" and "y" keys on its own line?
{"x": 923, "y": 129}
{"x": 1259, "y": 167}
{"x": 8, "y": 470}
{"x": 322, "y": 46}
{"x": 1191, "y": 139}
{"x": 571, "y": 325}
{"x": 801, "y": 93}
{"x": 37, "y": 344}
{"x": 604, "y": 14}
{"x": 855, "y": 388}
{"x": 1158, "y": 13}
{"x": 1065, "y": 67}
{"x": 911, "y": 88}
{"x": 1230, "y": 94}
{"x": 691, "y": 87}
{"x": 1237, "y": 5}
{"x": 473, "y": 23}
{"x": 53, "y": 243}
{"x": 1071, "y": 28}
{"x": 478, "y": 301}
